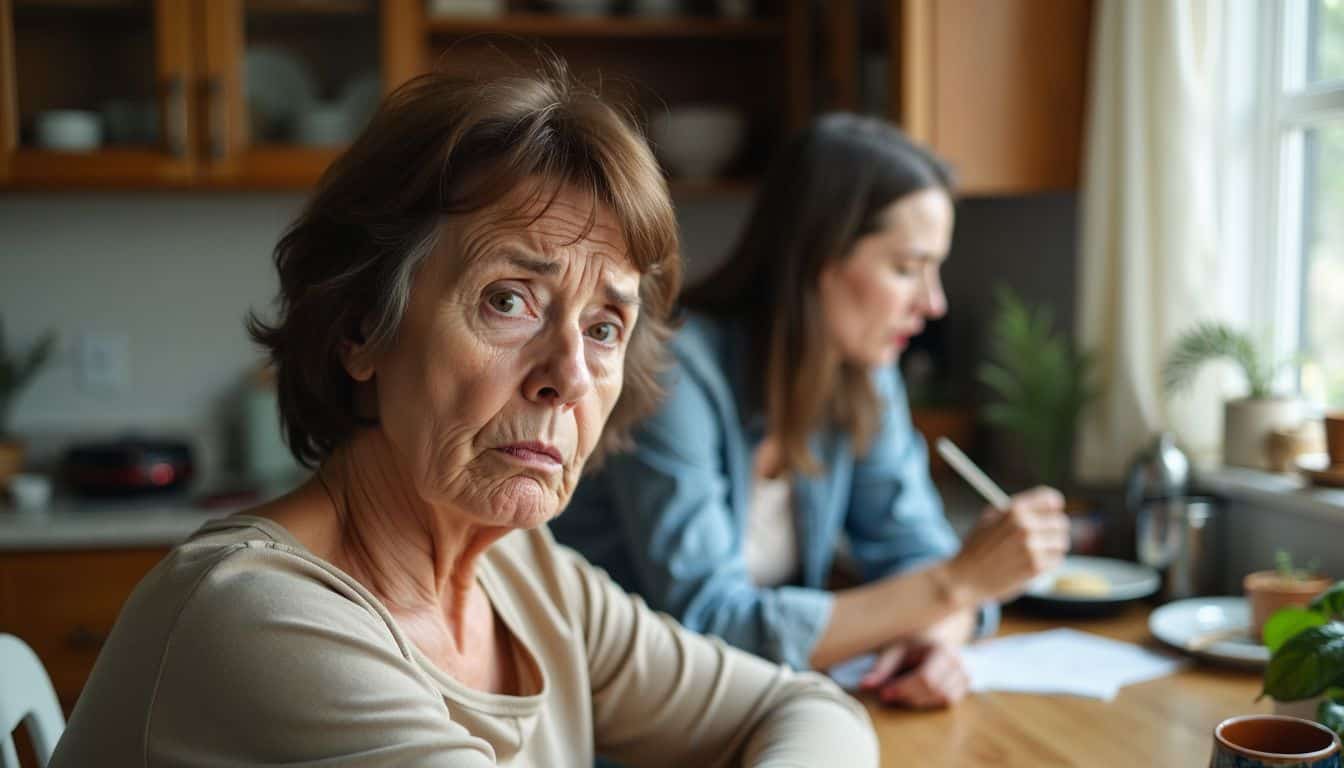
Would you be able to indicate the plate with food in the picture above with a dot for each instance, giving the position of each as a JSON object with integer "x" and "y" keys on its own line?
{"x": 1214, "y": 628}
{"x": 1090, "y": 581}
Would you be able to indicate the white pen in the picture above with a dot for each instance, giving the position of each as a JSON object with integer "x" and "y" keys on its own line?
{"x": 972, "y": 474}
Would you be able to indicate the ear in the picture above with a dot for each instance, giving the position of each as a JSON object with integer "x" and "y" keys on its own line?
{"x": 356, "y": 357}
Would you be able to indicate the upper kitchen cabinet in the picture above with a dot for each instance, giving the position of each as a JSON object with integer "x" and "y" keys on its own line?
{"x": 96, "y": 93}
{"x": 718, "y": 84}
{"x": 995, "y": 86}
{"x": 200, "y": 93}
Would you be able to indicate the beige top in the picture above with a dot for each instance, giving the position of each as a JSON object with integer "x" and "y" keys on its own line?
{"x": 242, "y": 648}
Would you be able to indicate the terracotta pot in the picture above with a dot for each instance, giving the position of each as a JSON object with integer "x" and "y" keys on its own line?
{"x": 1248, "y": 424}
{"x": 956, "y": 424}
{"x": 11, "y": 461}
{"x": 1268, "y": 591}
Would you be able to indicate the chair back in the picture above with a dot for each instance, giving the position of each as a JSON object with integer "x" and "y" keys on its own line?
{"x": 26, "y": 696}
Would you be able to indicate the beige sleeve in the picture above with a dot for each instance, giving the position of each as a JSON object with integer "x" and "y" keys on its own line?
{"x": 666, "y": 696}
{"x": 269, "y": 666}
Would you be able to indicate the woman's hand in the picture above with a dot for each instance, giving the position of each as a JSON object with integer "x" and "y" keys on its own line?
{"x": 1009, "y": 547}
{"x": 919, "y": 674}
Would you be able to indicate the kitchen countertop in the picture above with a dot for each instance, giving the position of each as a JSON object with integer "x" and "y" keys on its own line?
{"x": 71, "y": 523}
{"x": 79, "y": 524}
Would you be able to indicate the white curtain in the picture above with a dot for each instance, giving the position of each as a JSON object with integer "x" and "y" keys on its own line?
{"x": 1163, "y": 216}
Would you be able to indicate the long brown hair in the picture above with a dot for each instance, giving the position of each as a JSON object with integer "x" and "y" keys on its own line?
{"x": 824, "y": 191}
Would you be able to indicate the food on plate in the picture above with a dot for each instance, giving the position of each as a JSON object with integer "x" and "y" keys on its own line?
{"x": 1082, "y": 584}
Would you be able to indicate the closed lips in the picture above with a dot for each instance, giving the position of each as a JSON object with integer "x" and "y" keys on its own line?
{"x": 534, "y": 451}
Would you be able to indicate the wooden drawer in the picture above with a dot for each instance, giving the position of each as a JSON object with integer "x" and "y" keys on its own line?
{"x": 63, "y": 604}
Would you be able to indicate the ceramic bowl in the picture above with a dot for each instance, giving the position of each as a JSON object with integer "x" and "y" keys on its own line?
{"x": 69, "y": 130}
{"x": 697, "y": 142}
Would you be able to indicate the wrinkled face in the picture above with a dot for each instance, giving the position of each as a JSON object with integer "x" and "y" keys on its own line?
{"x": 509, "y": 359}
{"x": 878, "y": 297}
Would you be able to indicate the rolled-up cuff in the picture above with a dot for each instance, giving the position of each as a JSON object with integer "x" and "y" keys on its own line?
{"x": 796, "y": 620}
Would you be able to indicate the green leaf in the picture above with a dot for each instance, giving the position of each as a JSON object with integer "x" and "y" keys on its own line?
{"x": 1287, "y": 622}
{"x": 1330, "y": 603}
{"x": 1331, "y": 714}
{"x": 1307, "y": 664}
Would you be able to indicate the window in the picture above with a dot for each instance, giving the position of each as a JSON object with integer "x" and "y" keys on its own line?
{"x": 1308, "y": 140}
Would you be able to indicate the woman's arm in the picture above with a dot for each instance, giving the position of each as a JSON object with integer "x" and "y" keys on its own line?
{"x": 1001, "y": 553}
{"x": 665, "y": 696}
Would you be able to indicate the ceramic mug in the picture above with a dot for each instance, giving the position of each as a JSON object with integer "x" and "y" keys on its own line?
{"x": 1273, "y": 741}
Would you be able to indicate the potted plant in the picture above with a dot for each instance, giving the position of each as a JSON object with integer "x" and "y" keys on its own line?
{"x": 1287, "y": 585}
{"x": 16, "y": 371}
{"x": 1041, "y": 384}
{"x": 1248, "y": 422}
{"x": 1306, "y": 665}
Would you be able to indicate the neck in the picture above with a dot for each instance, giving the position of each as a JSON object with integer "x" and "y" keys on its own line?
{"x": 419, "y": 557}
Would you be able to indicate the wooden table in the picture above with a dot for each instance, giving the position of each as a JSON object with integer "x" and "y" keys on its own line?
{"x": 1164, "y": 722}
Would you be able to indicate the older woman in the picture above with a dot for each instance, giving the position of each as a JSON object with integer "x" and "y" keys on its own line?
{"x": 478, "y": 286}
{"x": 787, "y": 428}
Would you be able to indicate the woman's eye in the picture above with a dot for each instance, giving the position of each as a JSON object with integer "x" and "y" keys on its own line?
{"x": 508, "y": 303}
{"x": 905, "y": 269}
{"x": 607, "y": 333}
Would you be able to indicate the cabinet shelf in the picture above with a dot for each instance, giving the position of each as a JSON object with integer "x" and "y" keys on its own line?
{"x": 616, "y": 28}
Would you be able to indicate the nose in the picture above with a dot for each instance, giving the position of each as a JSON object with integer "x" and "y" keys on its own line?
{"x": 561, "y": 377}
{"x": 932, "y": 297}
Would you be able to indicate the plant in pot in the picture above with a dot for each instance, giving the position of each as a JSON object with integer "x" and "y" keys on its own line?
{"x": 1305, "y": 675}
{"x": 1249, "y": 422}
{"x": 1286, "y": 586}
{"x": 1041, "y": 385}
{"x": 16, "y": 371}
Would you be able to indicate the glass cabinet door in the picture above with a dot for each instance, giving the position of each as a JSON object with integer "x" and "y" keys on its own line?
{"x": 288, "y": 84}
{"x": 96, "y": 91}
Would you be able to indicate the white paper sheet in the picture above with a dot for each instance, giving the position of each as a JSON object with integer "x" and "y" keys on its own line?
{"x": 1058, "y": 661}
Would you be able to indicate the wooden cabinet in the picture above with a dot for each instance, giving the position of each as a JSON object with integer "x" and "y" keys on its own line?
{"x": 997, "y": 87}
{"x": 63, "y": 604}
{"x": 161, "y": 84}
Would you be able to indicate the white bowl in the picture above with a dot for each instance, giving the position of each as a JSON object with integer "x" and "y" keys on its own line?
{"x": 31, "y": 492}
{"x": 697, "y": 142}
{"x": 69, "y": 130}
{"x": 324, "y": 125}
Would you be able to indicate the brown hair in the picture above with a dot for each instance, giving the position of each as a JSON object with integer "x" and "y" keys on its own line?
{"x": 825, "y": 190}
{"x": 443, "y": 145}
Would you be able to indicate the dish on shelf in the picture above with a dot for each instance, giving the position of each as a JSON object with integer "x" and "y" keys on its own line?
{"x": 279, "y": 89}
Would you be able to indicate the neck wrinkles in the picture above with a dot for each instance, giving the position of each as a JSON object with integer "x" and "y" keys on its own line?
{"x": 417, "y": 557}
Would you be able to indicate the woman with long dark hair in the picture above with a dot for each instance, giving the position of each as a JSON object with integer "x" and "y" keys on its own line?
{"x": 786, "y": 425}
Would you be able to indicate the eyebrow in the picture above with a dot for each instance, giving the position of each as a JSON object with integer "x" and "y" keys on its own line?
{"x": 549, "y": 268}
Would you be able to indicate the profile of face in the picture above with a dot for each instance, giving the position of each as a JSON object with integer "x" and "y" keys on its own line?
{"x": 509, "y": 358}
{"x": 879, "y": 295}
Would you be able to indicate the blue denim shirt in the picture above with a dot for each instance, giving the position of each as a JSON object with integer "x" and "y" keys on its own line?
{"x": 667, "y": 519}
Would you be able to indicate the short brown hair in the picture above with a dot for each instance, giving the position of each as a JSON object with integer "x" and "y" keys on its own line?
{"x": 825, "y": 190}
{"x": 445, "y": 145}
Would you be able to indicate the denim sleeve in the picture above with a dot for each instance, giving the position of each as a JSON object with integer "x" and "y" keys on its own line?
{"x": 672, "y": 495}
{"x": 895, "y": 519}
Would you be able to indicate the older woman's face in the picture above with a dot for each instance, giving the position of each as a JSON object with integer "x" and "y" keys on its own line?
{"x": 509, "y": 359}
{"x": 878, "y": 297}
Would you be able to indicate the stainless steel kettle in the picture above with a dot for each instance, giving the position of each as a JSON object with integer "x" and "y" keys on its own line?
{"x": 1160, "y": 471}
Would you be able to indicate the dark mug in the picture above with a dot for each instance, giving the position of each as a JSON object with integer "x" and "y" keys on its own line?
{"x": 1273, "y": 741}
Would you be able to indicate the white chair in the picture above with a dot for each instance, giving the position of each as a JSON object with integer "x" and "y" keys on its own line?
{"x": 26, "y": 695}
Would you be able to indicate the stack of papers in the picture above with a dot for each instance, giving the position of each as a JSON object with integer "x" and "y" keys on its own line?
{"x": 1058, "y": 661}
